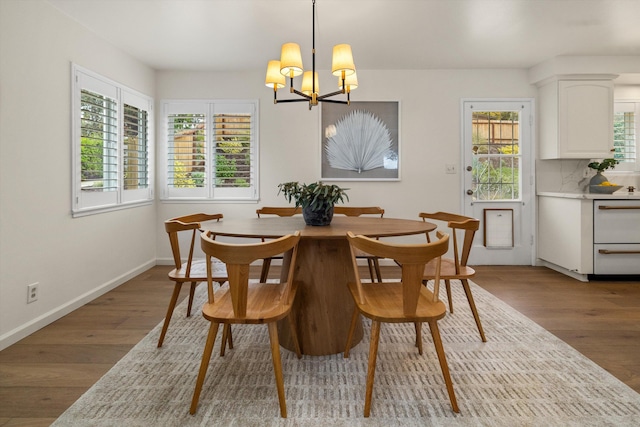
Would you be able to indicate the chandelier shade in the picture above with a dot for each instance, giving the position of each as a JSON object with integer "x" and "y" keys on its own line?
{"x": 290, "y": 66}
{"x": 291, "y": 60}
{"x": 274, "y": 78}
{"x": 342, "y": 61}
{"x": 308, "y": 87}
{"x": 350, "y": 82}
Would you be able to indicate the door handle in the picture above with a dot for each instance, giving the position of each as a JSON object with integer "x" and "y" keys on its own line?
{"x": 469, "y": 192}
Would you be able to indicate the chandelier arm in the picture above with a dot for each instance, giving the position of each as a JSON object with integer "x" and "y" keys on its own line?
{"x": 338, "y": 92}
{"x": 302, "y": 94}
{"x": 333, "y": 101}
{"x": 291, "y": 100}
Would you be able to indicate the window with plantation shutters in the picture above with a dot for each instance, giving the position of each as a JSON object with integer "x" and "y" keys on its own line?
{"x": 98, "y": 142}
{"x": 136, "y": 148}
{"x": 211, "y": 150}
{"x": 626, "y": 124}
{"x": 112, "y": 128}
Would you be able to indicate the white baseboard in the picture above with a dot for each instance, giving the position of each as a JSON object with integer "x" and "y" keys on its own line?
{"x": 32, "y": 326}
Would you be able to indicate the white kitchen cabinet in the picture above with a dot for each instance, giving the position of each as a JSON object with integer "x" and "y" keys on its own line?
{"x": 565, "y": 234}
{"x": 576, "y": 118}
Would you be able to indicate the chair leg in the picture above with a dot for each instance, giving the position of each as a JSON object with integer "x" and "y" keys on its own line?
{"x": 371, "y": 370}
{"x": 437, "y": 342}
{"x": 264, "y": 273}
{"x": 376, "y": 266}
{"x": 192, "y": 292}
{"x": 352, "y": 328}
{"x": 204, "y": 364}
{"x": 230, "y": 339}
{"x": 294, "y": 336}
{"x": 226, "y": 334}
{"x": 277, "y": 366}
{"x": 371, "y": 273}
{"x": 474, "y": 310}
{"x": 447, "y": 284}
{"x": 172, "y": 306}
{"x": 418, "y": 326}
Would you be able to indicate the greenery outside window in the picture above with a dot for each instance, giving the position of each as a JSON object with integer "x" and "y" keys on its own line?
{"x": 210, "y": 150}
{"x": 112, "y": 135}
{"x": 626, "y": 127}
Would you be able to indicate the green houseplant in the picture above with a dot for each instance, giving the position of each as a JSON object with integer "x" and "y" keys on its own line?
{"x": 599, "y": 167}
{"x": 316, "y": 199}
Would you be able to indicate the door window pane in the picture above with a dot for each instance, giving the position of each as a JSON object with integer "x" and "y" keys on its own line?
{"x": 496, "y": 155}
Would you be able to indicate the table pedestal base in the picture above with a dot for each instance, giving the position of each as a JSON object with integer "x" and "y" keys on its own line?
{"x": 323, "y": 307}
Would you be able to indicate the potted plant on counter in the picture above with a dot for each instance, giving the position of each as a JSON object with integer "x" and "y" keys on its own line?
{"x": 599, "y": 167}
{"x": 599, "y": 183}
{"x": 316, "y": 199}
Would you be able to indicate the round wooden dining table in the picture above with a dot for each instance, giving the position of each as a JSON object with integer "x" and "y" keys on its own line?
{"x": 323, "y": 306}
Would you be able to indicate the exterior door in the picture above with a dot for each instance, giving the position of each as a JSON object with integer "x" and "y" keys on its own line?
{"x": 498, "y": 179}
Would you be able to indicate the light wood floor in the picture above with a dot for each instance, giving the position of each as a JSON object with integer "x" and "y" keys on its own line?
{"x": 43, "y": 374}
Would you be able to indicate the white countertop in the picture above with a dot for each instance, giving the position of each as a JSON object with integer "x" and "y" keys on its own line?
{"x": 621, "y": 194}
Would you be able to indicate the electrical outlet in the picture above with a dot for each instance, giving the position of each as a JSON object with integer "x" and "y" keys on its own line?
{"x": 32, "y": 292}
{"x": 450, "y": 168}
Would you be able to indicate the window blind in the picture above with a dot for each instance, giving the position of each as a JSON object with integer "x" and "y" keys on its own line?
{"x": 233, "y": 138}
{"x": 136, "y": 148}
{"x": 98, "y": 142}
{"x": 625, "y": 125}
{"x": 186, "y": 154}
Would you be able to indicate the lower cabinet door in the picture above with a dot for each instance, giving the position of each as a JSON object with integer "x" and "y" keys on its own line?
{"x": 616, "y": 258}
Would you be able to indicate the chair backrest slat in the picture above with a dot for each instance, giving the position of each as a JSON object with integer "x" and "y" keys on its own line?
{"x": 412, "y": 259}
{"x": 358, "y": 210}
{"x": 176, "y": 225}
{"x": 457, "y": 223}
{"x": 238, "y": 258}
{"x": 279, "y": 211}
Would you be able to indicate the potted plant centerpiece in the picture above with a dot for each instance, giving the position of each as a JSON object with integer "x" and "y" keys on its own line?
{"x": 316, "y": 199}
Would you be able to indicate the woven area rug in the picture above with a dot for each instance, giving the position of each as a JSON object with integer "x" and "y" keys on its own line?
{"x": 523, "y": 376}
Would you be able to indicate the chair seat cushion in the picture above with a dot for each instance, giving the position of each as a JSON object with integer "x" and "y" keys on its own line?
{"x": 265, "y": 303}
{"x": 199, "y": 271}
{"x": 383, "y": 301}
{"x": 447, "y": 270}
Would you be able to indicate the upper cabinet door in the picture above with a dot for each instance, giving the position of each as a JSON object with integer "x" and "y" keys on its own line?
{"x": 576, "y": 119}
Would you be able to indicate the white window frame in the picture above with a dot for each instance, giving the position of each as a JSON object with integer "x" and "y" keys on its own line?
{"x": 209, "y": 193}
{"x": 87, "y": 202}
{"x": 620, "y": 106}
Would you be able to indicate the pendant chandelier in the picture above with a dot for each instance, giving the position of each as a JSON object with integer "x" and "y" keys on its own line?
{"x": 290, "y": 65}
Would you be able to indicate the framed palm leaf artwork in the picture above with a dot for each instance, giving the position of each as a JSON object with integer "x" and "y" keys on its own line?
{"x": 361, "y": 141}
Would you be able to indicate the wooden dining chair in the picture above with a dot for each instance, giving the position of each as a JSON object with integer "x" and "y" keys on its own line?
{"x": 278, "y": 211}
{"x": 372, "y": 261}
{"x": 243, "y": 302}
{"x": 193, "y": 270}
{"x": 406, "y": 301}
{"x": 456, "y": 267}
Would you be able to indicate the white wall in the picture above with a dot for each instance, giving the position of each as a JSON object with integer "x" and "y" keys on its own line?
{"x": 74, "y": 260}
{"x": 290, "y": 141}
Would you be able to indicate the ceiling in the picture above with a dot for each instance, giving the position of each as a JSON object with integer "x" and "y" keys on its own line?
{"x": 232, "y": 35}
